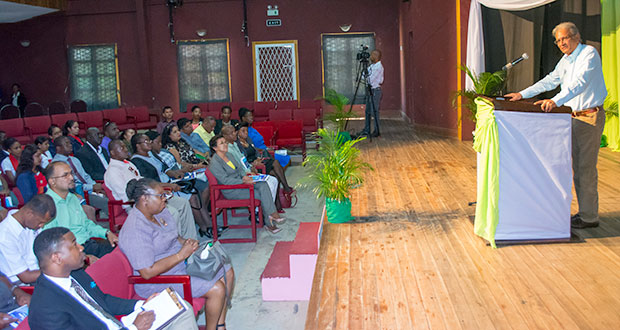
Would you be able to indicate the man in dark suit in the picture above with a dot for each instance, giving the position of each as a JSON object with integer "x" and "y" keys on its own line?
{"x": 66, "y": 297}
{"x": 93, "y": 157}
{"x": 18, "y": 99}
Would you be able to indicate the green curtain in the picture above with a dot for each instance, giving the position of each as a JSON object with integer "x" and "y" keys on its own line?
{"x": 486, "y": 142}
{"x": 610, "y": 44}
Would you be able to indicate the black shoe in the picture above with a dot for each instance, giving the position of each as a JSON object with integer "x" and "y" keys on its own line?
{"x": 250, "y": 219}
{"x": 203, "y": 233}
{"x": 376, "y": 134}
{"x": 578, "y": 223}
{"x": 209, "y": 231}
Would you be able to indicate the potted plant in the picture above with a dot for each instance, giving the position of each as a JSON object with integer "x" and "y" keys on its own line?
{"x": 486, "y": 83}
{"x": 340, "y": 114}
{"x": 335, "y": 169}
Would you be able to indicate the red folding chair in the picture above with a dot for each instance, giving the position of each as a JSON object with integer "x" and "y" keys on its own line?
{"x": 219, "y": 202}
{"x": 142, "y": 118}
{"x": 281, "y": 114}
{"x": 116, "y": 214}
{"x": 289, "y": 104}
{"x": 290, "y": 135}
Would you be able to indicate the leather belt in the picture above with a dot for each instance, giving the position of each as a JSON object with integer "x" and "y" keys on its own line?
{"x": 585, "y": 112}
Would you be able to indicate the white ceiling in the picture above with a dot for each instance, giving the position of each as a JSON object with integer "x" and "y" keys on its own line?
{"x": 11, "y": 12}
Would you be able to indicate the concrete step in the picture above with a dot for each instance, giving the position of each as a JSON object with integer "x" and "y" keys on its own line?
{"x": 289, "y": 272}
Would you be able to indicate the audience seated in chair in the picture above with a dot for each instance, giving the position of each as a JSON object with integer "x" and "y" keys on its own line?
{"x": 253, "y": 154}
{"x": 228, "y": 171}
{"x": 9, "y": 164}
{"x": 69, "y": 212}
{"x": 225, "y": 119}
{"x": 66, "y": 297}
{"x": 53, "y": 132}
{"x": 153, "y": 247}
{"x": 166, "y": 119}
{"x": 94, "y": 158}
{"x": 30, "y": 180}
{"x": 85, "y": 185}
{"x": 194, "y": 140}
{"x": 3, "y": 152}
{"x": 230, "y": 134}
{"x": 71, "y": 129}
{"x": 121, "y": 171}
{"x": 205, "y": 130}
{"x": 110, "y": 132}
{"x": 196, "y": 119}
{"x": 17, "y": 233}
{"x": 182, "y": 151}
{"x": 44, "y": 148}
{"x": 153, "y": 168}
{"x": 18, "y": 99}
{"x": 126, "y": 136}
{"x": 247, "y": 116}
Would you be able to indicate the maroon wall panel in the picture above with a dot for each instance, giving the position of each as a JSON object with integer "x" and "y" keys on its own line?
{"x": 148, "y": 61}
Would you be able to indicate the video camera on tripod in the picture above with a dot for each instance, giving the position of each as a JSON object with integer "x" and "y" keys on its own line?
{"x": 363, "y": 55}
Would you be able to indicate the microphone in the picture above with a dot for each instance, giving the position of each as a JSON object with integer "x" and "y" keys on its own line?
{"x": 513, "y": 63}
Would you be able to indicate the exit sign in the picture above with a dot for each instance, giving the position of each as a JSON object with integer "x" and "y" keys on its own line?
{"x": 274, "y": 22}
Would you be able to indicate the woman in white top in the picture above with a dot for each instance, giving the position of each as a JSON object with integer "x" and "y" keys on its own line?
{"x": 44, "y": 147}
{"x": 9, "y": 164}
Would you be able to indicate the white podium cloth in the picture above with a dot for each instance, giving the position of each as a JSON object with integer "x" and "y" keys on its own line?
{"x": 535, "y": 175}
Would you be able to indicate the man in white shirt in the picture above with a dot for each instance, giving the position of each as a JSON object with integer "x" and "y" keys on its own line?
{"x": 580, "y": 75}
{"x": 120, "y": 171}
{"x": 66, "y": 297}
{"x": 17, "y": 233}
{"x": 374, "y": 93}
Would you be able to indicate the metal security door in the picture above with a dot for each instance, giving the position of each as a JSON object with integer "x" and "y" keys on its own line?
{"x": 275, "y": 70}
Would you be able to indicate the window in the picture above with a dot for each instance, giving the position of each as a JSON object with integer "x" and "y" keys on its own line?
{"x": 203, "y": 71}
{"x": 94, "y": 76}
{"x": 340, "y": 64}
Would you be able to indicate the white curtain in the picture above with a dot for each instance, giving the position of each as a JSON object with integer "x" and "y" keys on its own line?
{"x": 475, "y": 37}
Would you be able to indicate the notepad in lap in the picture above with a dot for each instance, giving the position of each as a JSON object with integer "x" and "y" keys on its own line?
{"x": 167, "y": 306}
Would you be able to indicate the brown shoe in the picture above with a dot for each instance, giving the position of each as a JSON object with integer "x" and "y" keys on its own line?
{"x": 578, "y": 223}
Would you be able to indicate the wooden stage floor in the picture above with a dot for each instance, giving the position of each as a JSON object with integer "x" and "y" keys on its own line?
{"x": 412, "y": 260}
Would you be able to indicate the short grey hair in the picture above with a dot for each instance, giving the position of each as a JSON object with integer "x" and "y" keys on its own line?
{"x": 570, "y": 26}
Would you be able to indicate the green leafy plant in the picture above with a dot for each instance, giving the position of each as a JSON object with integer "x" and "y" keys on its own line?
{"x": 336, "y": 168}
{"x": 340, "y": 114}
{"x": 486, "y": 83}
{"x": 611, "y": 109}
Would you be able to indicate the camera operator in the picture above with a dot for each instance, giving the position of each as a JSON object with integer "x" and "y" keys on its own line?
{"x": 374, "y": 80}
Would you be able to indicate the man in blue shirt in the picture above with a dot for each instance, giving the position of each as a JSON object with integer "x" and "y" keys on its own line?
{"x": 580, "y": 75}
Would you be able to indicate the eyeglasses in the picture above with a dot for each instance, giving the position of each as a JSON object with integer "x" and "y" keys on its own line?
{"x": 66, "y": 175}
{"x": 561, "y": 40}
{"x": 164, "y": 196}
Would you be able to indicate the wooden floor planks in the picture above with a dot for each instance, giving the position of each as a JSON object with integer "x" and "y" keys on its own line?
{"x": 412, "y": 261}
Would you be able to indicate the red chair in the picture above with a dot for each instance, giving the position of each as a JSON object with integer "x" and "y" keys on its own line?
{"x": 62, "y": 118}
{"x": 202, "y": 105}
{"x": 78, "y": 106}
{"x": 38, "y": 126}
{"x": 261, "y": 110}
{"x": 219, "y": 202}
{"x": 90, "y": 119}
{"x": 308, "y": 117}
{"x": 15, "y": 128}
{"x": 290, "y": 135}
{"x": 56, "y": 107}
{"x": 114, "y": 275}
{"x": 9, "y": 111}
{"x": 290, "y": 104}
{"x": 178, "y": 115}
{"x": 241, "y": 104}
{"x": 142, "y": 118}
{"x": 116, "y": 214}
{"x": 214, "y": 114}
{"x": 268, "y": 131}
{"x": 280, "y": 114}
{"x": 217, "y": 106}
{"x": 119, "y": 117}
{"x": 35, "y": 109}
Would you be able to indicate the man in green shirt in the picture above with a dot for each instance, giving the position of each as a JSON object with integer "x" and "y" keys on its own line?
{"x": 69, "y": 212}
{"x": 205, "y": 130}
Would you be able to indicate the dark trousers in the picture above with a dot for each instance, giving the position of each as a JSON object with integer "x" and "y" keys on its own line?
{"x": 372, "y": 110}
{"x": 97, "y": 247}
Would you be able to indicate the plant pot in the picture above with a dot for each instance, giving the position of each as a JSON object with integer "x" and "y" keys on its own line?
{"x": 338, "y": 211}
{"x": 344, "y": 137}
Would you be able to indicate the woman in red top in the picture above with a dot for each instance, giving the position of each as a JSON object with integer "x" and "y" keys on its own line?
{"x": 72, "y": 129}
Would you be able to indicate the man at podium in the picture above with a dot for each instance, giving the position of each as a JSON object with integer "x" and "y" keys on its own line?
{"x": 580, "y": 75}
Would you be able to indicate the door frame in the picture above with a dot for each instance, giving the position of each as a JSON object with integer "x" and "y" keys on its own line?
{"x": 275, "y": 42}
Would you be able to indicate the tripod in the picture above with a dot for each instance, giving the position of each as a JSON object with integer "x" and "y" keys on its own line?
{"x": 362, "y": 75}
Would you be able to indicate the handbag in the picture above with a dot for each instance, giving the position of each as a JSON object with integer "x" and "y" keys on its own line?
{"x": 286, "y": 199}
{"x": 208, "y": 267}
